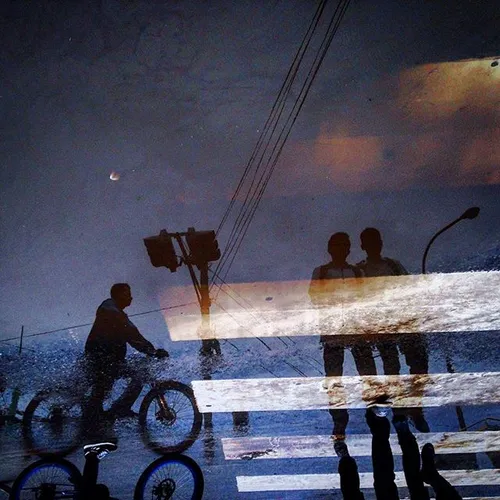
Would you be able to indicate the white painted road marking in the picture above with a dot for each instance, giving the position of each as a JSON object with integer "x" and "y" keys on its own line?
{"x": 321, "y": 393}
{"x": 332, "y": 481}
{"x": 452, "y": 302}
{"x": 286, "y": 447}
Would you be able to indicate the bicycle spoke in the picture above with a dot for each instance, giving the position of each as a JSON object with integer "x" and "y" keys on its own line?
{"x": 171, "y": 480}
{"x": 53, "y": 423}
{"x": 52, "y": 480}
{"x": 171, "y": 421}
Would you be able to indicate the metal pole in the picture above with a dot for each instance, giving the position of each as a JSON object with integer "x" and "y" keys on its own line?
{"x": 205, "y": 298}
{"x": 21, "y": 341}
{"x": 471, "y": 213}
{"x": 424, "y": 258}
{"x": 212, "y": 345}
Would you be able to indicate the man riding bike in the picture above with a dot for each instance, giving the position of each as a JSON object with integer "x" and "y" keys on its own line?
{"x": 106, "y": 349}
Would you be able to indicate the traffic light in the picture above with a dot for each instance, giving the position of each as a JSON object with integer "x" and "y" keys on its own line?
{"x": 161, "y": 251}
{"x": 203, "y": 246}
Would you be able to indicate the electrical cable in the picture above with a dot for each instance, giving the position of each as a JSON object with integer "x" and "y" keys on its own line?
{"x": 250, "y": 309}
{"x": 90, "y": 324}
{"x": 306, "y": 85}
{"x": 246, "y": 215}
{"x": 275, "y": 116}
{"x": 244, "y": 327}
{"x": 260, "y": 340}
{"x": 283, "y": 90}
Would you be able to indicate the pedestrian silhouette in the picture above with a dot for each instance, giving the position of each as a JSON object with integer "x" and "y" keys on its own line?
{"x": 412, "y": 346}
{"x": 322, "y": 293}
{"x": 418, "y": 468}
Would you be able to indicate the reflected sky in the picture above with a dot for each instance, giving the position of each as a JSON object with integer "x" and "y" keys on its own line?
{"x": 119, "y": 119}
{"x": 155, "y": 94}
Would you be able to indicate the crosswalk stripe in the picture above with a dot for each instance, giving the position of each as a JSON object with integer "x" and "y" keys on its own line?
{"x": 297, "y": 482}
{"x": 359, "y": 445}
{"x": 451, "y": 302}
{"x": 319, "y": 393}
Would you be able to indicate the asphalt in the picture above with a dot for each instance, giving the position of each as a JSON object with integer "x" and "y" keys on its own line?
{"x": 49, "y": 365}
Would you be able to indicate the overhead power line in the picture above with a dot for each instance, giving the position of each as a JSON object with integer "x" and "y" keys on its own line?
{"x": 90, "y": 324}
{"x": 275, "y": 134}
{"x": 275, "y": 110}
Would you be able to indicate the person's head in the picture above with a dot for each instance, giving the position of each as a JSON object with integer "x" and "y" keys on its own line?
{"x": 339, "y": 246}
{"x": 121, "y": 294}
{"x": 371, "y": 242}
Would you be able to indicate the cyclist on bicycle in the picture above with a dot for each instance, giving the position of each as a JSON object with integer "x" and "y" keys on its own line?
{"x": 106, "y": 349}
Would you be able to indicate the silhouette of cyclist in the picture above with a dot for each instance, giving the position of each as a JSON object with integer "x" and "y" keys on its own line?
{"x": 412, "y": 345}
{"x": 322, "y": 292}
{"x": 106, "y": 349}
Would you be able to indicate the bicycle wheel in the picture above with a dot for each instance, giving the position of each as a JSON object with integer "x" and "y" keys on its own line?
{"x": 47, "y": 479}
{"x": 52, "y": 424}
{"x": 169, "y": 418}
{"x": 171, "y": 477}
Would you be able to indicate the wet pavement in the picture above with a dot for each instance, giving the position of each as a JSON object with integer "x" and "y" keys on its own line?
{"x": 282, "y": 444}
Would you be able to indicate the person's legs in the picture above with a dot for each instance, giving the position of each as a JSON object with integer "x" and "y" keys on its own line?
{"x": 414, "y": 348}
{"x": 389, "y": 353}
{"x": 382, "y": 459}
{"x": 411, "y": 459}
{"x": 349, "y": 479}
{"x": 90, "y": 473}
{"x": 101, "y": 379}
{"x": 333, "y": 357}
{"x": 442, "y": 488}
{"x": 93, "y": 454}
{"x": 122, "y": 407}
{"x": 363, "y": 357}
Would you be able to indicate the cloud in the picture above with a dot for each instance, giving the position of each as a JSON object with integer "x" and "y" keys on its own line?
{"x": 435, "y": 126}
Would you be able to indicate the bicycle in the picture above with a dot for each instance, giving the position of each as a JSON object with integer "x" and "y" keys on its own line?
{"x": 172, "y": 476}
{"x": 169, "y": 419}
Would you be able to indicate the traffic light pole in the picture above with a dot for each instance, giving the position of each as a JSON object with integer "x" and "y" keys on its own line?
{"x": 202, "y": 289}
{"x": 198, "y": 248}
{"x": 205, "y": 298}
{"x": 202, "y": 248}
{"x": 211, "y": 346}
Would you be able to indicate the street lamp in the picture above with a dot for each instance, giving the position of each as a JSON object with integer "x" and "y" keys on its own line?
{"x": 470, "y": 213}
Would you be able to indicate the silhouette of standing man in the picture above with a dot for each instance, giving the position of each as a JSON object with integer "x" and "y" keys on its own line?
{"x": 412, "y": 345}
{"x": 322, "y": 293}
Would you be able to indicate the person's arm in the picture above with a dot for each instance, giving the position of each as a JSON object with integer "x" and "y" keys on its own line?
{"x": 137, "y": 341}
{"x": 129, "y": 333}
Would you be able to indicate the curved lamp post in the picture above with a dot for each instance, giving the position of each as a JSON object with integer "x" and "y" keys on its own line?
{"x": 470, "y": 213}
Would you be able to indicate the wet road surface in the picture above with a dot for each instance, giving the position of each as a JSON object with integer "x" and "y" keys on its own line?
{"x": 281, "y": 448}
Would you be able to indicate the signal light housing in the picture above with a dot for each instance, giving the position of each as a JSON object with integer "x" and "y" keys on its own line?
{"x": 161, "y": 251}
{"x": 203, "y": 246}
